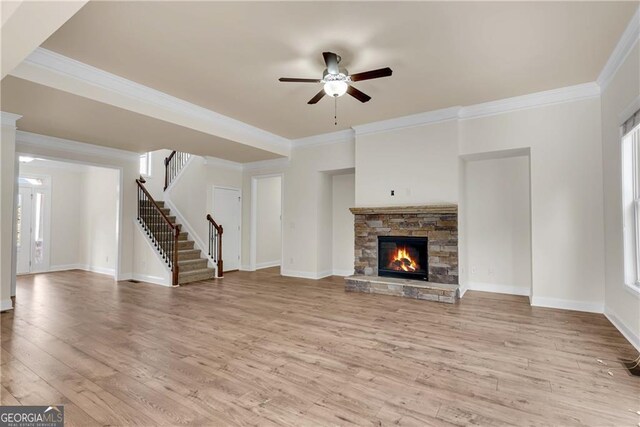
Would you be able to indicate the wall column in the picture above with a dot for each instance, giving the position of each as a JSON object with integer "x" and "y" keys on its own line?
{"x": 7, "y": 208}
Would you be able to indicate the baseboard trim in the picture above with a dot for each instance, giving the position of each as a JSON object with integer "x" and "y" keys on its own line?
{"x": 564, "y": 304}
{"x": 65, "y": 267}
{"x": 150, "y": 279}
{"x": 626, "y": 331}
{"x": 246, "y": 268}
{"x": 343, "y": 273}
{"x": 6, "y": 305}
{"x": 497, "y": 288}
{"x": 305, "y": 274}
{"x": 85, "y": 267}
{"x": 267, "y": 264}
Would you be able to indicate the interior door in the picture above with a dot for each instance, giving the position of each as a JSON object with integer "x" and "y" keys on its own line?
{"x": 23, "y": 237}
{"x": 227, "y": 213}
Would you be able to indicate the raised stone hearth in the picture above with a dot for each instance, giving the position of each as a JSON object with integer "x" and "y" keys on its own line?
{"x": 438, "y": 223}
{"x": 440, "y": 292}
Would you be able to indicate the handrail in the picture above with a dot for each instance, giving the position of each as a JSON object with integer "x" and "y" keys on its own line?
{"x": 215, "y": 243}
{"x": 163, "y": 233}
{"x": 173, "y": 164}
{"x": 151, "y": 199}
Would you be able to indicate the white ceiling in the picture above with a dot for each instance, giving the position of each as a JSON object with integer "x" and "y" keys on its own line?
{"x": 228, "y": 56}
{"x": 56, "y": 113}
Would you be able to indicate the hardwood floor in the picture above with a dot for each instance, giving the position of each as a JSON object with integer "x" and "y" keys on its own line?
{"x": 261, "y": 349}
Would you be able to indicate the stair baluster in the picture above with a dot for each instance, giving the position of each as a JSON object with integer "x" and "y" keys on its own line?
{"x": 173, "y": 164}
{"x": 163, "y": 233}
{"x": 215, "y": 244}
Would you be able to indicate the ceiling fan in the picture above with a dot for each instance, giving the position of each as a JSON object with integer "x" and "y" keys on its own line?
{"x": 337, "y": 81}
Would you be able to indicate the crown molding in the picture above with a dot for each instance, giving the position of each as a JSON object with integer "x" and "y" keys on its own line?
{"x": 532, "y": 100}
{"x": 28, "y": 140}
{"x": 9, "y": 119}
{"x": 279, "y": 163}
{"x": 345, "y": 136}
{"x": 57, "y": 64}
{"x": 39, "y": 163}
{"x": 222, "y": 163}
{"x": 627, "y": 41}
{"x": 261, "y": 164}
{"x": 404, "y": 122}
{"x": 507, "y": 105}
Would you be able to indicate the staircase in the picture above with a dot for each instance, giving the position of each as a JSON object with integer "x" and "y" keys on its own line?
{"x": 172, "y": 244}
{"x": 192, "y": 267}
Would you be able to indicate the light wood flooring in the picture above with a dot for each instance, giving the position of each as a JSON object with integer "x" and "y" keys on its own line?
{"x": 261, "y": 349}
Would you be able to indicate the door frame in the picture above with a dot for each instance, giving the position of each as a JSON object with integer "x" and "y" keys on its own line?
{"x": 46, "y": 188}
{"x": 239, "y": 190}
{"x": 253, "y": 244}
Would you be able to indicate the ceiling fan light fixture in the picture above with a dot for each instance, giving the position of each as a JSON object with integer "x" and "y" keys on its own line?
{"x": 336, "y": 88}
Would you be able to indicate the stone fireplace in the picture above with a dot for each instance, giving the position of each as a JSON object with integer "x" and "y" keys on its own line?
{"x": 408, "y": 251}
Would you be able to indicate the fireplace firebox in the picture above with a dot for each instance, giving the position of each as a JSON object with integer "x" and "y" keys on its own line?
{"x": 401, "y": 256}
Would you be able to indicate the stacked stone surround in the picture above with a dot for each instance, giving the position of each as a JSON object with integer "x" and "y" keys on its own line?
{"x": 403, "y": 288}
{"x": 439, "y": 223}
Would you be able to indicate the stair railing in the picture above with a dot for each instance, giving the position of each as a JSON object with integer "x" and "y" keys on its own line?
{"x": 173, "y": 165}
{"x": 162, "y": 232}
{"x": 215, "y": 244}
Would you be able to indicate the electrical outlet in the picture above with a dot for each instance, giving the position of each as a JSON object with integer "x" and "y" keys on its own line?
{"x": 393, "y": 192}
{"x": 107, "y": 258}
{"x": 473, "y": 270}
{"x": 291, "y": 260}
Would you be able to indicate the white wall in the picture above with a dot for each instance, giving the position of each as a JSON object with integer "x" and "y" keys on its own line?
{"x": 191, "y": 194}
{"x": 66, "y": 212}
{"x": 268, "y": 222}
{"x": 99, "y": 224}
{"x": 155, "y": 181}
{"x": 622, "y": 304}
{"x": 147, "y": 265}
{"x": 566, "y": 195}
{"x": 420, "y": 163}
{"x": 301, "y": 197}
{"x": 324, "y": 230}
{"x": 498, "y": 228}
{"x": 344, "y": 195}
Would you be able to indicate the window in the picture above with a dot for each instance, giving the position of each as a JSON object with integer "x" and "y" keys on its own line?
{"x": 145, "y": 164}
{"x": 631, "y": 200}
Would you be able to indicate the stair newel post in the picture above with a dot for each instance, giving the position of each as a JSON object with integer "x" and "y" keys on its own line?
{"x": 219, "y": 242}
{"x": 166, "y": 172}
{"x": 175, "y": 255}
{"x": 210, "y": 239}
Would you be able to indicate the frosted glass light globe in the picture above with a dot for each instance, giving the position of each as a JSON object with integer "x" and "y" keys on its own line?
{"x": 335, "y": 88}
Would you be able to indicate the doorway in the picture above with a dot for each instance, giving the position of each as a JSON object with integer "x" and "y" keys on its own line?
{"x": 227, "y": 208}
{"x": 497, "y": 222}
{"x": 33, "y": 224}
{"x": 266, "y": 221}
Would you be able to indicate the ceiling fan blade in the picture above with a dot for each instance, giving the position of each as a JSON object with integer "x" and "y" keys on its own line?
{"x": 373, "y": 74}
{"x": 360, "y": 96}
{"x": 294, "y": 80}
{"x": 331, "y": 59}
{"x": 317, "y": 98}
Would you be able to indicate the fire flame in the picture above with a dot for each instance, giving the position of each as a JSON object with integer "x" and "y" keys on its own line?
{"x": 403, "y": 261}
